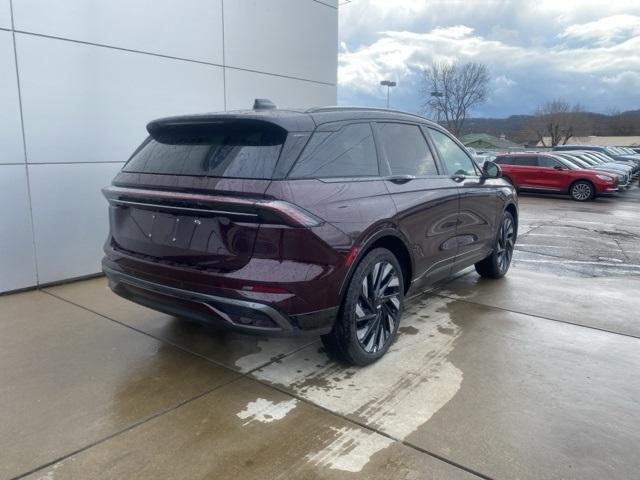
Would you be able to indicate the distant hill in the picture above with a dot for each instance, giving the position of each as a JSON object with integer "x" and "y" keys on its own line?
{"x": 515, "y": 126}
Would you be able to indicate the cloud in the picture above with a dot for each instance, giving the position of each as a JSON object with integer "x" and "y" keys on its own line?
{"x": 605, "y": 31}
{"x": 628, "y": 79}
{"x": 535, "y": 51}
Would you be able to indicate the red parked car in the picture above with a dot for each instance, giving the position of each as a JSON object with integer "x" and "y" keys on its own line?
{"x": 544, "y": 172}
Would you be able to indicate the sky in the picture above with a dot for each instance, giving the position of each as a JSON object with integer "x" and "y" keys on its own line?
{"x": 580, "y": 51}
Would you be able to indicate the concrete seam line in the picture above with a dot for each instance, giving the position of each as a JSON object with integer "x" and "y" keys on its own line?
{"x": 162, "y": 412}
{"x": 240, "y": 376}
{"x": 126, "y": 429}
{"x": 581, "y": 325}
{"x": 371, "y": 429}
{"x": 139, "y": 331}
{"x": 179, "y": 347}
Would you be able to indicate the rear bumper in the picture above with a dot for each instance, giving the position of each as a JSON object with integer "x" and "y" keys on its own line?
{"x": 240, "y": 315}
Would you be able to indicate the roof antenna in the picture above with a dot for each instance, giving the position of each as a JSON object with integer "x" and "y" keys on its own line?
{"x": 263, "y": 104}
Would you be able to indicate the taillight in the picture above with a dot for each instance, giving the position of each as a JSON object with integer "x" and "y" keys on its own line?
{"x": 351, "y": 256}
{"x": 268, "y": 211}
{"x": 278, "y": 210}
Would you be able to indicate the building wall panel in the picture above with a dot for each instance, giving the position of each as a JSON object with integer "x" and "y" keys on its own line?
{"x": 11, "y": 150}
{"x": 70, "y": 217}
{"x": 187, "y": 29}
{"x": 17, "y": 262}
{"x": 83, "y": 103}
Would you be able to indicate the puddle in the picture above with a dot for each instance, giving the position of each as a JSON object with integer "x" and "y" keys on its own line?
{"x": 395, "y": 395}
{"x": 266, "y": 411}
{"x": 351, "y": 449}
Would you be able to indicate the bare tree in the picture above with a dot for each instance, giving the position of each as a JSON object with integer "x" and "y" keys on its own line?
{"x": 619, "y": 123}
{"x": 555, "y": 122}
{"x": 452, "y": 90}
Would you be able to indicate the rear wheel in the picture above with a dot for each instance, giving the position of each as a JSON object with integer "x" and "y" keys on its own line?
{"x": 497, "y": 264}
{"x": 582, "y": 191}
{"x": 370, "y": 312}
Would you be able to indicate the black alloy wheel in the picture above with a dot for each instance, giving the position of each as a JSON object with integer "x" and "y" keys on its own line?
{"x": 377, "y": 310}
{"x": 371, "y": 310}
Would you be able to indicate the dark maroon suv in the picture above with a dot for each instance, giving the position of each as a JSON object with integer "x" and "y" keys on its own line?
{"x": 312, "y": 222}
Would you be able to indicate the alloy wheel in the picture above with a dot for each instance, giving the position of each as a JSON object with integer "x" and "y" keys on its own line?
{"x": 377, "y": 310}
{"x": 581, "y": 191}
{"x": 506, "y": 242}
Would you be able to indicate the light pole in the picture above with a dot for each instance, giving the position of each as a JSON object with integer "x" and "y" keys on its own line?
{"x": 388, "y": 84}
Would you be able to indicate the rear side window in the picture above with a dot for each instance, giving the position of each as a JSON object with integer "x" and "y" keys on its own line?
{"x": 349, "y": 152}
{"x": 240, "y": 150}
{"x": 406, "y": 149}
{"x": 455, "y": 160}
{"x": 526, "y": 161}
{"x": 504, "y": 160}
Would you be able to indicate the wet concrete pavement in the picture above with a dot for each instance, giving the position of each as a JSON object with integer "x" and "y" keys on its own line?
{"x": 533, "y": 376}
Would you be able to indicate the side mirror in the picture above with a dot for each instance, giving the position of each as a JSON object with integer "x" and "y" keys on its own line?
{"x": 558, "y": 167}
{"x": 491, "y": 170}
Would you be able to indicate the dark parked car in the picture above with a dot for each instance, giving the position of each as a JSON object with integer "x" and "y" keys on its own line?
{"x": 314, "y": 222}
{"x": 612, "y": 152}
{"x": 546, "y": 173}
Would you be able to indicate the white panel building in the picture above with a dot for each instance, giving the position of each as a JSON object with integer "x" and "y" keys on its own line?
{"x": 79, "y": 80}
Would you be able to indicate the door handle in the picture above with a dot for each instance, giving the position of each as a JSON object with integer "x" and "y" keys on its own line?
{"x": 458, "y": 178}
{"x": 400, "y": 179}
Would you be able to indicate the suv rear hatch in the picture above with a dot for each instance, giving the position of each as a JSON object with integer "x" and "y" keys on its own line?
{"x": 193, "y": 193}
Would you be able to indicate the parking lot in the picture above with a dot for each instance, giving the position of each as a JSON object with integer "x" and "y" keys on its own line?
{"x": 532, "y": 376}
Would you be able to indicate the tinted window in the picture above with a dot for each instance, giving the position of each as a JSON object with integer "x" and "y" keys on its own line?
{"x": 567, "y": 164}
{"x": 504, "y": 160}
{"x": 455, "y": 160}
{"x": 526, "y": 161}
{"x": 597, "y": 160}
{"x": 585, "y": 159}
{"x": 249, "y": 151}
{"x": 406, "y": 149}
{"x": 547, "y": 162}
{"x": 349, "y": 152}
{"x": 577, "y": 161}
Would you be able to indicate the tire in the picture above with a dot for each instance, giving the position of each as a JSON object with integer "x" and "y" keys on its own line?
{"x": 497, "y": 264}
{"x": 368, "y": 319}
{"x": 582, "y": 191}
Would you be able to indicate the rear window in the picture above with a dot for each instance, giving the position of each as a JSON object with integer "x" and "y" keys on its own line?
{"x": 239, "y": 150}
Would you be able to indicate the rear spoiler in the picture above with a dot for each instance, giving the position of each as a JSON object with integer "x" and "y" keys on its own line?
{"x": 282, "y": 119}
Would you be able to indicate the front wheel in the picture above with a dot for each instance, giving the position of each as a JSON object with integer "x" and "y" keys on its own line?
{"x": 370, "y": 312}
{"x": 582, "y": 191}
{"x": 497, "y": 264}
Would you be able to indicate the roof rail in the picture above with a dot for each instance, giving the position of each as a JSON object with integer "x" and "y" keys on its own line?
{"x": 365, "y": 109}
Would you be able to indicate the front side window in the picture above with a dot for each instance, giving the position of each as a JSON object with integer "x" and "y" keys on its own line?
{"x": 455, "y": 160}
{"x": 406, "y": 149}
{"x": 547, "y": 162}
{"x": 349, "y": 152}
